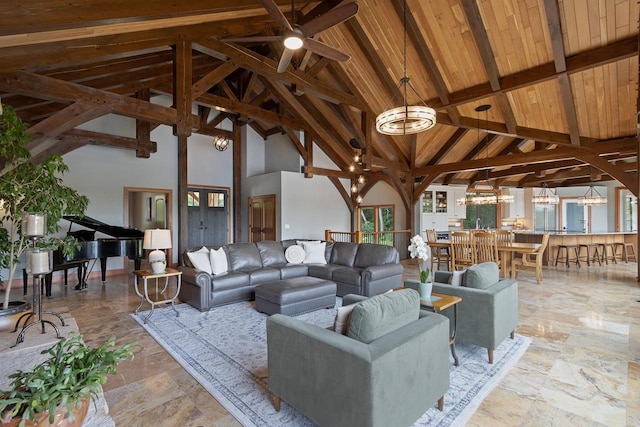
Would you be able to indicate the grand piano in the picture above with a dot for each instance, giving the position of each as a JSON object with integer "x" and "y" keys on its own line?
{"x": 123, "y": 242}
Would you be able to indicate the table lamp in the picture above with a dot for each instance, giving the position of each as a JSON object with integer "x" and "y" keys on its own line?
{"x": 157, "y": 239}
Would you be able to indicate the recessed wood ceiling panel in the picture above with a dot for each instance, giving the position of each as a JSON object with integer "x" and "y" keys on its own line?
{"x": 588, "y": 24}
{"x": 429, "y": 143}
{"x": 606, "y": 97}
{"x": 492, "y": 115}
{"x": 518, "y": 33}
{"x": 539, "y": 106}
{"x": 450, "y": 41}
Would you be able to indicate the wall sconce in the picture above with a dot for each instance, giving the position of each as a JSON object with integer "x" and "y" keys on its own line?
{"x": 220, "y": 143}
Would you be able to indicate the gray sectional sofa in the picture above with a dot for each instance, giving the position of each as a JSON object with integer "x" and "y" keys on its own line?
{"x": 363, "y": 269}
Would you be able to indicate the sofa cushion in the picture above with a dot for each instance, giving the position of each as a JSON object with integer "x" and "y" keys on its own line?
{"x": 263, "y": 275}
{"x": 219, "y": 262}
{"x": 344, "y": 253}
{"x": 200, "y": 259}
{"x": 369, "y": 254}
{"x": 288, "y": 271}
{"x": 322, "y": 271}
{"x": 232, "y": 280}
{"x": 327, "y": 251}
{"x": 243, "y": 257}
{"x": 271, "y": 253}
{"x": 341, "y": 323}
{"x": 382, "y": 314}
{"x": 481, "y": 276}
{"x": 314, "y": 252}
{"x": 350, "y": 276}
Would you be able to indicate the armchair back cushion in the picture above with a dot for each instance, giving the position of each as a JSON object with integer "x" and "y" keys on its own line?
{"x": 271, "y": 253}
{"x": 344, "y": 253}
{"x": 382, "y": 314}
{"x": 481, "y": 276}
{"x": 370, "y": 254}
{"x": 244, "y": 257}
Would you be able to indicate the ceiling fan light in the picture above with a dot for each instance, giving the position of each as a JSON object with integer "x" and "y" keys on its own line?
{"x": 293, "y": 41}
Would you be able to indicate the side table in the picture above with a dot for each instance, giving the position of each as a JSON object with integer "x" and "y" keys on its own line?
{"x": 158, "y": 297}
{"x": 438, "y": 303}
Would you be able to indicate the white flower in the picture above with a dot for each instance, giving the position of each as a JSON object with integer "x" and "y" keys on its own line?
{"x": 418, "y": 248}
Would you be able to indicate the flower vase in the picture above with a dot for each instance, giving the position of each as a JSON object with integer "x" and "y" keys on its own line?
{"x": 424, "y": 289}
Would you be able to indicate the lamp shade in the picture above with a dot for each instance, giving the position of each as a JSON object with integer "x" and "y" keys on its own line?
{"x": 157, "y": 239}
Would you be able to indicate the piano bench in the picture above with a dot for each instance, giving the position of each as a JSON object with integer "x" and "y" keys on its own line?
{"x": 80, "y": 264}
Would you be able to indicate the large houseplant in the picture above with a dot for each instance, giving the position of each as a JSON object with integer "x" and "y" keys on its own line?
{"x": 25, "y": 187}
{"x": 64, "y": 383}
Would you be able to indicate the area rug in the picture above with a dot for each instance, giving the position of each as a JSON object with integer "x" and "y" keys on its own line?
{"x": 225, "y": 350}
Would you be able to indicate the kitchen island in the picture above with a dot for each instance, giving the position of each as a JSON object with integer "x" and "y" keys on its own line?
{"x": 572, "y": 238}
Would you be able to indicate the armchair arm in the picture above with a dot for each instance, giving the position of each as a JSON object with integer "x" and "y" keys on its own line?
{"x": 377, "y": 272}
{"x": 380, "y": 278}
{"x": 336, "y": 380}
{"x": 195, "y": 288}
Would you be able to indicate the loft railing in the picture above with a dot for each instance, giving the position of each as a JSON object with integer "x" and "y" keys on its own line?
{"x": 399, "y": 239}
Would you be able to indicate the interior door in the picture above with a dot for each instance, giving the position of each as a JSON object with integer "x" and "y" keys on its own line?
{"x": 208, "y": 213}
{"x": 262, "y": 218}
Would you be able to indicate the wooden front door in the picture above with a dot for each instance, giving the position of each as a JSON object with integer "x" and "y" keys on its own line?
{"x": 262, "y": 218}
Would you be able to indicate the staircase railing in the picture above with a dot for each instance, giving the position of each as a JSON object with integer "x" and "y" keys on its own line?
{"x": 399, "y": 239}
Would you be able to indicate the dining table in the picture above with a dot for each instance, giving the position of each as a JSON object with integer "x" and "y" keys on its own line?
{"x": 507, "y": 250}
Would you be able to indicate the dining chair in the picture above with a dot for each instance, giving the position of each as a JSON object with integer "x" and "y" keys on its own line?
{"x": 463, "y": 253}
{"x": 486, "y": 247}
{"x": 531, "y": 261}
{"x": 503, "y": 238}
{"x": 439, "y": 255}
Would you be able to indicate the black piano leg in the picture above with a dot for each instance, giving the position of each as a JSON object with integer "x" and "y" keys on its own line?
{"x": 103, "y": 269}
{"x": 47, "y": 283}
{"x": 82, "y": 276}
{"x": 137, "y": 262}
{"x": 24, "y": 282}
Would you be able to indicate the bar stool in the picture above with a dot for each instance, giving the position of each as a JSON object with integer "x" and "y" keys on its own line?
{"x": 628, "y": 250}
{"x": 567, "y": 254}
{"x": 593, "y": 254}
{"x": 605, "y": 248}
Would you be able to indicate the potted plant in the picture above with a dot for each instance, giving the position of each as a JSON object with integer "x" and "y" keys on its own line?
{"x": 419, "y": 249}
{"x": 62, "y": 386}
{"x": 26, "y": 187}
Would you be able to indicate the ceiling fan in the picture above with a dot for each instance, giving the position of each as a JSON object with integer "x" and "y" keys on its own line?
{"x": 296, "y": 36}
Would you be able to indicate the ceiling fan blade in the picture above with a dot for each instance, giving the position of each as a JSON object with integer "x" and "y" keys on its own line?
{"x": 252, "y": 39}
{"x": 329, "y": 19}
{"x": 277, "y": 15}
{"x": 325, "y": 50}
{"x": 285, "y": 59}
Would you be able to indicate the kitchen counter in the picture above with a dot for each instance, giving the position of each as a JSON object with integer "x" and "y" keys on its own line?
{"x": 572, "y": 238}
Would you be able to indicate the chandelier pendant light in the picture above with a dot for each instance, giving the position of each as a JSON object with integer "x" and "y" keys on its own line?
{"x": 592, "y": 198}
{"x": 546, "y": 196}
{"x": 220, "y": 143}
{"x": 484, "y": 199}
{"x": 406, "y": 119}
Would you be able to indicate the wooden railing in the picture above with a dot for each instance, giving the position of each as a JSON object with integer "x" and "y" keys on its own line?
{"x": 399, "y": 239}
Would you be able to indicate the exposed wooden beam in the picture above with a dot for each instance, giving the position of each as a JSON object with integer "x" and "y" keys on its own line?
{"x": 182, "y": 76}
{"x": 552, "y": 13}
{"x": 343, "y": 192}
{"x": 268, "y": 67}
{"x": 213, "y": 78}
{"x": 448, "y": 146}
{"x": 143, "y": 130}
{"x": 62, "y": 121}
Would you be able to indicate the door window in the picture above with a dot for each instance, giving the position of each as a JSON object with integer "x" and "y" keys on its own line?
{"x": 374, "y": 221}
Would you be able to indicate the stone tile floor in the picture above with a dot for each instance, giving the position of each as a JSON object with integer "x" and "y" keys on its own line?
{"x": 582, "y": 368}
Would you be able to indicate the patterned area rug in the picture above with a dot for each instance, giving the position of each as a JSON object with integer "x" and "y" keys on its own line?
{"x": 225, "y": 350}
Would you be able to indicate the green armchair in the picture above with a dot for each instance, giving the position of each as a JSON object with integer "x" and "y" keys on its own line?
{"x": 488, "y": 312}
{"x": 337, "y": 380}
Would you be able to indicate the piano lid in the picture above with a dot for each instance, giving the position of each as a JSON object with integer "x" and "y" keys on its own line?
{"x": 110, "y": 230}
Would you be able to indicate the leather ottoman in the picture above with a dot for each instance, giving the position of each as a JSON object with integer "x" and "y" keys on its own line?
{"x": 295, "y": 296}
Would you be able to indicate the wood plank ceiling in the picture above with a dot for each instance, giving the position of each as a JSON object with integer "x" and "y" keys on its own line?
{"x": 561, "y": 76}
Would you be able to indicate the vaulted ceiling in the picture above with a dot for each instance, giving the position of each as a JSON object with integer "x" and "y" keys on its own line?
{"x": 561, "y": 77}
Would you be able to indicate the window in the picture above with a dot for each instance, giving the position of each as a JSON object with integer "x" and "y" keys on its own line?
{"x": 193, "y": 198}
{"x": 374, "y": 221}
{"x": 481, "y": 216}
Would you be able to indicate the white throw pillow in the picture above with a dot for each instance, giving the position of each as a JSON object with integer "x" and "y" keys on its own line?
{"x": 456, "y": 278}
{"x": 294, "y": 254}
{"x": 300, "y": 242}
{"x": 200, "y": 259}
{"x": 341, "y": 324}
{"x": 219, "y": 264}
{"x": 314, "y": 252}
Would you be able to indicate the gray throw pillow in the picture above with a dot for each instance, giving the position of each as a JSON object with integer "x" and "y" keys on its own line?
{"x": 377, "y": 316}
{"x": 481, "y": 276}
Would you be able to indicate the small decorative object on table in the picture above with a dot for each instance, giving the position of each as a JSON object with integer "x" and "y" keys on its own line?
{"x": 419, "y": 249}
